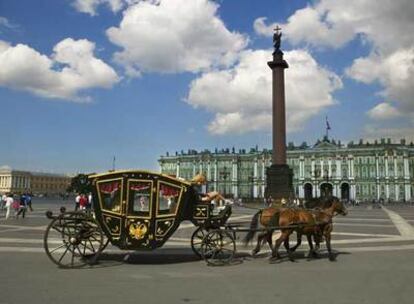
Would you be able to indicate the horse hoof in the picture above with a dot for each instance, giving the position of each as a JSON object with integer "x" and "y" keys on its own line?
{"x": 332, "y": 257}
{"x": 254, "y": 252}
{"x": 275, "y": 256}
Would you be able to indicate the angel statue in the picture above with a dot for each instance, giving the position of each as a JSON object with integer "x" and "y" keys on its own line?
{"x": 276, "y": 38}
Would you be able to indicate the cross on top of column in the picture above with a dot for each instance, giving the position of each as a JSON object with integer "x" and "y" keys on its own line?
{"x": 277, "y": 29}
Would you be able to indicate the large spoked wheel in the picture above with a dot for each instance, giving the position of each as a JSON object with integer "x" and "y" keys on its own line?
{"x": 105, "y": 243}
{"x": 218, "y": 248}
{"x": 197, "y": 240}
{"x": 73, "y": 240}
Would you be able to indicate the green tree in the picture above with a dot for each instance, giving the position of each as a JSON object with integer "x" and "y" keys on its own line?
{"x": 80, "y": 184}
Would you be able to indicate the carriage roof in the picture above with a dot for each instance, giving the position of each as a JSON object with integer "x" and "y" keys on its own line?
{"x": 137, "y": 173}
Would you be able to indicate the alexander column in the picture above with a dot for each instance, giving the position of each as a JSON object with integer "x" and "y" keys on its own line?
{"x": 279, "y": 175}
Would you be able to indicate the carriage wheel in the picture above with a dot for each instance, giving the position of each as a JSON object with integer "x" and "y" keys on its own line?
{"x": 197, "y": 240}
{"x": 73, "y": 240}
{"x": 218, "y": 247}
{"x": 105, "y": 243}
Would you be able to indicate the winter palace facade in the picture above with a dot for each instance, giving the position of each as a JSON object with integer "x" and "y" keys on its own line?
{"x": 362, "y": 171}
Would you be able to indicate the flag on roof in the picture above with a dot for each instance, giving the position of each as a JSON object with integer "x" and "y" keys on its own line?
{"x": 328, "y": 127}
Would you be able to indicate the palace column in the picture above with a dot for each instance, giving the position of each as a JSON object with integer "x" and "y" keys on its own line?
{"x": 208, "y": 175}
{"x": 177, "y": 172}
{"x": 215, "y": 176}
{"x": 313, "y": 168}
{"x": 407, "y": 178}
{"x": 194, "y": 168}
{"x": 387, "y": 182}
{"x": 263, "y": 175}
{"x": 255, "y": 178}
{"x": 234, "y": 179}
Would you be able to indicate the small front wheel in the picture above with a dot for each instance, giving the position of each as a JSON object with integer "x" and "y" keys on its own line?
{"x": 218, "y": 247}
{"x": 197, "y": 240}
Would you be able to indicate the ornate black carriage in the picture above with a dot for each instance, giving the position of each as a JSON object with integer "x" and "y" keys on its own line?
{"x": 136, "y": 210}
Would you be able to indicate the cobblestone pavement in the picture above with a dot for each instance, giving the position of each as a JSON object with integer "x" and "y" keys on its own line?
{"x": 364, "y": 230}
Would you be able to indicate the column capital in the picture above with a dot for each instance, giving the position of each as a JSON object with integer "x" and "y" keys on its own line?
{"x": 278, "y": 61}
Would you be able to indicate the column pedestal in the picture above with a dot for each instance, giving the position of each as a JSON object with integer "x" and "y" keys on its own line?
{"x": 279, "y": 182}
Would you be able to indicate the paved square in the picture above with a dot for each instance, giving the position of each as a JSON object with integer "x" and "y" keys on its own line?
{"x": 374, "y": 265}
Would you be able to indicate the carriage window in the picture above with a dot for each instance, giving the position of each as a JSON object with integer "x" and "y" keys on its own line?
{"x": 168, "y": 199}
{"x": 140, "y": 197}
{"x": 110, "y": 195}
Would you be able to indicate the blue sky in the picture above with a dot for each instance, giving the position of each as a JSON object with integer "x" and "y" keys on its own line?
{"x": 84, "y": 80}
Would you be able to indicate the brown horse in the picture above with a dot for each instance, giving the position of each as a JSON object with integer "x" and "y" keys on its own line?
{"x": 293, "y": 219}
{"x": 323, "y": 218}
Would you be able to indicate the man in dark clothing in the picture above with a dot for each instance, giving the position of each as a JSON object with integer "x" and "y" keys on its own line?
{"x": 23, "y": 206}
{"x": 29, "y": 201}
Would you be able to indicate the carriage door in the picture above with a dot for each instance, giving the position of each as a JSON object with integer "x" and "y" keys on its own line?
{"x": 139, "y": 223}
{"x": 167, "y": 209}
{"x": 110, "y": 194}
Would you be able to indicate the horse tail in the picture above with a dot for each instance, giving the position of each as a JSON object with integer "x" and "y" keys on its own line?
{"x": 253, "y": 227}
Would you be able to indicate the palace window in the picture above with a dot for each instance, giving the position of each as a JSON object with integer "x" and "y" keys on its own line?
{"x": 372, "y": 171}
{"x": 364, "y": 172}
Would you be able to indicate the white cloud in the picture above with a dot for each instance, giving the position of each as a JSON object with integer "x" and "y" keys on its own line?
{"x": 375, "y": 131}
{"x": 384, "y": 111}
{"x": 90, "y": 6}
{"x": 387, "y": 27}
{"x": 394, "y": 72}
{"x": 71, "y": 68}
{"x": 171, "y": 36}
{"x": 386, "y": 24}
{"x": 261, "y": 28}
{"x": 240, "y": 97}
{"x": 5, "y": 23}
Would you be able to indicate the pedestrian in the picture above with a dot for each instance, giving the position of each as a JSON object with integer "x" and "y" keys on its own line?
{"x": 144, "y": 203}
{"x": 22, "y": 206}
{"x": 3, "y": 201}
{"x": 29, "y": 201}
{"x": 269, "y": 201}
{"x": 213, "y": 203}
{"x": 83, "y": 202}
{"x": 77, "y": 198}
{"x": 9, "y": 203}
{"x": 90, "y": 201}
{"x": 15, "y": 205}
